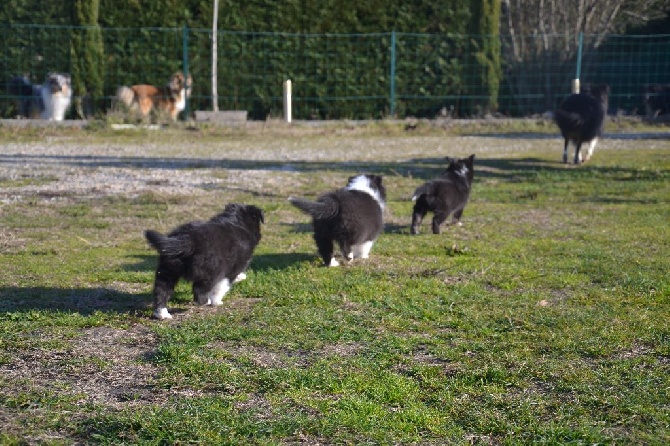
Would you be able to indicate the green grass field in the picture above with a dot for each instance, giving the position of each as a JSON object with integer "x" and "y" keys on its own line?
{"x": 543, "y": 319}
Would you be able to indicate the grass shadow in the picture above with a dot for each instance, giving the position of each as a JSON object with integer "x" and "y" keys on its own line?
{"x": 393, "y": 228}
{"x": 84, "y": 301}
{"x": 143, "y": 263}
{"x": 300, "y": 228}
{"x": 266, "y": 262}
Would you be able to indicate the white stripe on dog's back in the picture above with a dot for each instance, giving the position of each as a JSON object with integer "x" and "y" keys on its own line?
{"x": 362, "y": 183}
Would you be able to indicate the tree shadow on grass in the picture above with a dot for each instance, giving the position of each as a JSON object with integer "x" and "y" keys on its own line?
{"x": 420, "y": 168}
{"x": 84, "y": 301}
{"x": 417, "y": 168}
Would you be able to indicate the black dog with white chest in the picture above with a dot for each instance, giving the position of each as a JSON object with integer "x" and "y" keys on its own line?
{"x": 211, "y": 254}
{"x": 445, "y": 195}
{"x": 351, "y": 216}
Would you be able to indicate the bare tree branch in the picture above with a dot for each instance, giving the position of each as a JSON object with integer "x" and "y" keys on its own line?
{"x": 541, "y": 37}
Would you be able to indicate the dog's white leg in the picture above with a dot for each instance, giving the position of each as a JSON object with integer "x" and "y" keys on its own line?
{"x": 334, "y": 262}
{"x": 363, "y": 250}
{"x": 589, "y": 151}
{"x": 215, "y": 296}
{"x": 162, "y": 313}
{"x": 240, "y": 277}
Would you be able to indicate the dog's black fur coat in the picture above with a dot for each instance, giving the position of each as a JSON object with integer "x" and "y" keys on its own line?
{"x": 349, "y": 216}
{"x": 581, "y": 118}
{"x": 445, "y": 195}
{"x": 28, "y": 97}
{"x": 205, "y": 253}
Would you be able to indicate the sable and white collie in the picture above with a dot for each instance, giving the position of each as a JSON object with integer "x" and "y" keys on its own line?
{"x": 445, "y": 195}
{"x": 169, "y": 99}
{"x": 212, "y": 255}
{"x": 581, "y": 119}
{"x": 351, "y": 216}
{"x": 50, "y": 100}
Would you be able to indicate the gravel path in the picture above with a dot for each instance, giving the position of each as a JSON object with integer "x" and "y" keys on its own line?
{"x": 182, "y": 163}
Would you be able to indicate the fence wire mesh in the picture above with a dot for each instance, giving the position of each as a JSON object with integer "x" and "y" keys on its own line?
{"x": 356, "y": 76}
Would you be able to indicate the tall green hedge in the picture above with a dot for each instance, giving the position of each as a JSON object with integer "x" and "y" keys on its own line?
{"x": 87, "y": 56}
{"x": 291, "y": 16}
{"x": 485, "y": 51}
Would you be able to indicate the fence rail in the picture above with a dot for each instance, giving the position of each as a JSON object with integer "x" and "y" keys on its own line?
{"x": 356, "y": 76}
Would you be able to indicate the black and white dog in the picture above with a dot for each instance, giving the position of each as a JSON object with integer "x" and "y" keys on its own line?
{"x": 351, "y": 216}
{"x": 445, "y": 195}
{"x": 50, "y": 100}
{"x": 212, "y": 255}
{"x": 581, "y": 118}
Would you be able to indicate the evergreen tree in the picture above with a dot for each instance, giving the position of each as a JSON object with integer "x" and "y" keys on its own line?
{"x": 486, "y": 56}
{"x": 87, "y": 53}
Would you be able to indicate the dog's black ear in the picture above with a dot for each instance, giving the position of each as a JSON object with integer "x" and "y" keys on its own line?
{"x": 450, "y": 160}
{"x": 257, "y": 213}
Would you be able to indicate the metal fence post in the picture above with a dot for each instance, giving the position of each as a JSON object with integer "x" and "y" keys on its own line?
{"x": 185, "y": 67}
{"x": 575, "y": 82}
{"x": 392, "y": 74}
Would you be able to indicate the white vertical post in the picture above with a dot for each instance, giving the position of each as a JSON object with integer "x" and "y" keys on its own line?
{"x": 215, "y": 57}
{"x": 287, "y": 100}
{"x": 575, "y": 86}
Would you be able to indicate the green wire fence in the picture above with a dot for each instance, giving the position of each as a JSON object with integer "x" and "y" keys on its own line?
{"x": 356, "y": 76}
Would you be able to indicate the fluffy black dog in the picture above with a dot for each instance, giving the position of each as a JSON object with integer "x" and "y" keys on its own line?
{"x": 445, "y": 195}
{"x": 581, "y": 119}
{"x": 212, "y": 254}
{"x": 351, "y": 216}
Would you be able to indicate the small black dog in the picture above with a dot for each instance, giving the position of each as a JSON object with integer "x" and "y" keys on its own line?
{"x": 212, "y": 254}
{"x": 581, "y": 119}
{"x": 351, "y": 216}
{"x": 444, "y": 195}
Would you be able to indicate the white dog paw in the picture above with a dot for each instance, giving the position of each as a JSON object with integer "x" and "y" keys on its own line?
{"x": 334, "y": 262}
{"x": 240, "y": 277}
{"x": 162, "y": 314}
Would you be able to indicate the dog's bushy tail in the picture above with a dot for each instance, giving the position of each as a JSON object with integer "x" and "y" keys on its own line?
{"x": 321, "y": 210}
{"x": 424, "y": 189}
{"x": 568, "y": 121}
{"x": 177, "y": 246}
